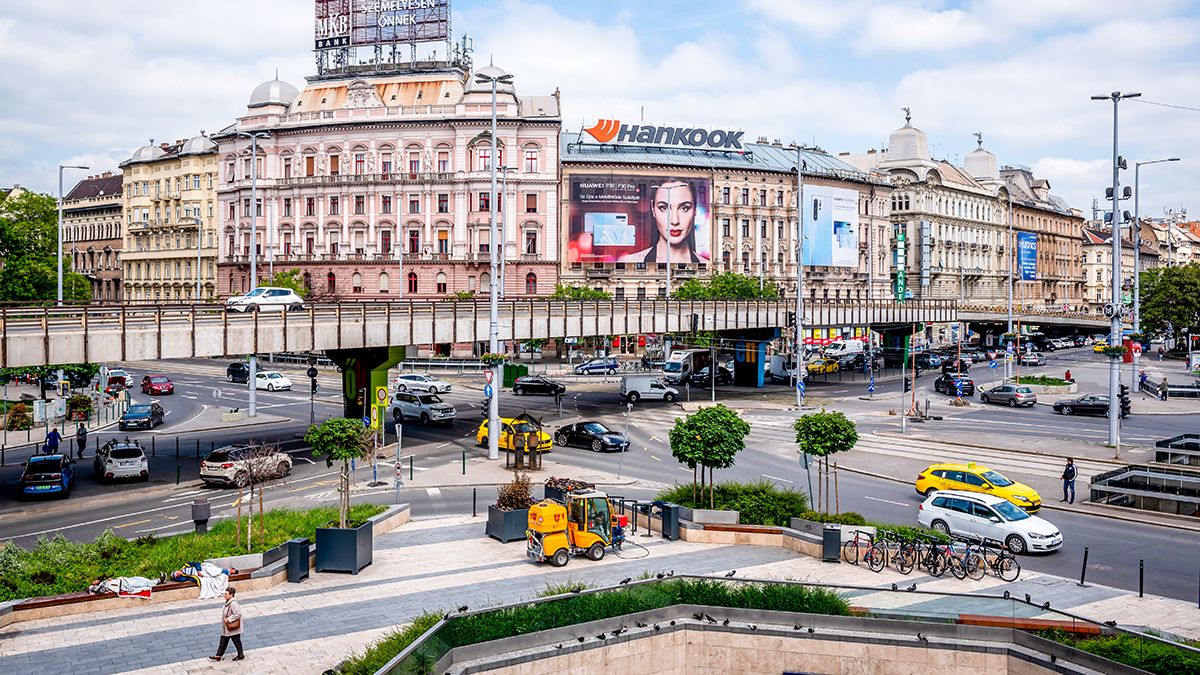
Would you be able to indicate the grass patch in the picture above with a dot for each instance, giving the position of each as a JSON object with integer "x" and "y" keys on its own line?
{"x": 386, "y": 648}
{"x": 1042, "y": 380}
{"x": 58, "y": 565}
{"x": 1131, "y": 650}
{"x": 758, "y": 503}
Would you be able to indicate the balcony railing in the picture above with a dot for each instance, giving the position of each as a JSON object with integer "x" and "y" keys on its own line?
{"x": 394, "y": 178}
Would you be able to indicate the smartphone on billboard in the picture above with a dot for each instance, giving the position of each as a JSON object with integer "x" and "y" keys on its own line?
{"x": 609, "y": 229}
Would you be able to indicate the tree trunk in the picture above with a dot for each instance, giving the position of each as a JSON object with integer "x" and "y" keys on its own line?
{"x": 238, "y": 535}
{"x": 817, "y": 506}
{"x": 262, "y": 524}
{"x": 694, "y": 484}
{"x": 712, "y": 485}
{"x": 344, "y": 502}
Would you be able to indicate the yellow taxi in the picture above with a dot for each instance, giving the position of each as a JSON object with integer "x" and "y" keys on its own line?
{"x": 511, "y": 426}
{"x": 1100, "y": 346}
{"x": 975, "y": 478}
{"x": 819, "y": 366}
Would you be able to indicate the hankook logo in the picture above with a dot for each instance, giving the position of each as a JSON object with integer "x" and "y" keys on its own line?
{"x": 605, "y": 131}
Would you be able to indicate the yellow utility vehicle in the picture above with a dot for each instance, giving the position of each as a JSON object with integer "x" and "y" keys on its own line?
{"x": 583, "y": 524}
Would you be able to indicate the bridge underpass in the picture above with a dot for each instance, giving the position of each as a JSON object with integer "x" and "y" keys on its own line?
{"x": 366, "y": 338}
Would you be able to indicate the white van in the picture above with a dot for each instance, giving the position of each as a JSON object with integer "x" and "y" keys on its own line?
{"x": 649, "y": 387}
{"x": 842, "y": 348}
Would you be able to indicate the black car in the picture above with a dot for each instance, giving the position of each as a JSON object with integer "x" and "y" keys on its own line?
{"x": 141, "y": 416}
{"x": 945, "y": 384}
{"x": 856, "y": 362}
{"x": 1088, "y": 404}
{"x": 238, "y": 372}
{"x": 593, "y": 435}
{"x": 700, "y": 378}
{"x": 536, "y": 384}
{"x": 953, "y": 365}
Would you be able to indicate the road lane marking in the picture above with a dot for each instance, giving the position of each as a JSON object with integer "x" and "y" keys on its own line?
{"x": 781, "y": 480}
{"x": 98, "y": 520}
{"x": 156, "y": 529}
{"x": 886, "y": 501}
{"x": 656, "y": 438}
{"x": 136, "y": 522}
{"x": 653, "y": 457}
{"x": 444, "y": 444}
{"x": 433, "y": 492}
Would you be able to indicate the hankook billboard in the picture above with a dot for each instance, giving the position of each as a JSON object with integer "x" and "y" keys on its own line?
{"x": 360, "y": 23}
{"x": 638, "y": 218}
{"x": 830, "y": 226}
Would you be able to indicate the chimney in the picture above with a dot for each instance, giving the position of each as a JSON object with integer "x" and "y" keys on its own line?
{"x": 843, "y": 154}
{"x": 871, "y": 151}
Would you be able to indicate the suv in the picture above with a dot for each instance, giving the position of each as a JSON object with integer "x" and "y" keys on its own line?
{"x": 421, "y": 382}
{"x": 605, "y": 365}
{"x": 988, "y": 518}
{"x": 238, "y": 371}
{"x": 47, "y": 474}
{"x": 232, "y": 464}
{"x": 121, "y": 459}
{"x": 945, "y": 384}
{"x": 425, "y": 407}
{"x": 265, "y": 299}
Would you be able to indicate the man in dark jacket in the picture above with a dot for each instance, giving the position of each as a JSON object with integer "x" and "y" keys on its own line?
{"x": 1068, "y": 479}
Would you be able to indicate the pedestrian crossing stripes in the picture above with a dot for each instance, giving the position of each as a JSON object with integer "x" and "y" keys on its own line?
{"x": 1015, "y": 461}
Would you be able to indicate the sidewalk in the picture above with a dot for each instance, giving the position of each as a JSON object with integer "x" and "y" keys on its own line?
{"x": 439, "y": 564}
{"x": 481, "y": 471}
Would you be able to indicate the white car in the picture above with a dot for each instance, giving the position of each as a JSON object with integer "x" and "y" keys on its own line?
{"x": 420, "y": 382}
{"x": 232, "y": 465}
{"x": 265, "y": 299}
{"x": 118, "y": 372}
{"x": 121, "y": 459}
{"x": 271, "y": 381}
{"x": 988, "y": 518}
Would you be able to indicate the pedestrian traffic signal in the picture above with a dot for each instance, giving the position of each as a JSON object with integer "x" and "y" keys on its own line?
{"x": 361, "y": 397}
{"x": 907, "y": 384}
{"x": 314, "y": 386}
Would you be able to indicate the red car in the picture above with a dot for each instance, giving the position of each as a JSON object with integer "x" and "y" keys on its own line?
{"x": 157, "y": 384}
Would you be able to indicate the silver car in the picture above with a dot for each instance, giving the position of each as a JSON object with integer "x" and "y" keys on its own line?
{"x": 420, "y": 382}
{"x": 1013, "y": 394}
{"x": 424, "y": 407}
{"x": 1032, "y": 359}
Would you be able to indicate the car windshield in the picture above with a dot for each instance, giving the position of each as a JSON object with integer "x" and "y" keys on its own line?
{"x": 672, "y": 367}
{"x": 1009, "y": 512}
{"x": 430, "y": 399}
{"x": 596, "y": 428}
{"x": 126, "y": 453}
{"x": 140, "y": 409}
{"x": 158, "y": 380}
{"x": 996, "y": 479}
{"x": 523, "y": 427}
{"x": 256, "y": 292}
{"x": 224, "y": 455}
{"x": 274, "y": 376}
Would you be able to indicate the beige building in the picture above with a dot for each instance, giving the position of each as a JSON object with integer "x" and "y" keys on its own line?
{"x": 169, "y": 189}
{"x": 1060, "y": 281}
{"x": 1097, "y": 266}
{"x": 92, "y": 229}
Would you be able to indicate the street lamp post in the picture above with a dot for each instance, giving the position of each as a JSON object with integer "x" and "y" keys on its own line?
{"x": 1114, "y": 373}
{"x": 252, "y": 407}
{"x": 1136, "y": 238}
{"x": 493, "y": 76}
{"x": 61, "y": 167}
{"x": 503, "y": 252}
{"x": 1011, "y": 256}
{"x": 800, "y": 166}
{"x": 199, "y": 236}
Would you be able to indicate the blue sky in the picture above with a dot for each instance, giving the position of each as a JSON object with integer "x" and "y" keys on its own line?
{"x": 89, "y": 82}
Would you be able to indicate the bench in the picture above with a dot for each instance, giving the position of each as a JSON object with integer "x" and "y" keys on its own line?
{"x": 1028, "y": 624}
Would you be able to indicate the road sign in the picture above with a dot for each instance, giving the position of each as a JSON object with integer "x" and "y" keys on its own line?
{"x": 488, "y": 391}
{"x": 216, "y": 393}
{"x": 399, "y": 469}
{"x": 1137, "y": 348}
{"x": 800, "y": 385}
{"x": 312, "y": 373}
{"x": 1008, "y": 348}
{"x": 374, "y": 417}
{"x": 871, "y": 387}
{"x": 958, "y": 386}
{"x": 381, "y": 395}
{"x": 366, "y": 421}
{"x": 993, "y": 365}
{"x": 487, "y": 377}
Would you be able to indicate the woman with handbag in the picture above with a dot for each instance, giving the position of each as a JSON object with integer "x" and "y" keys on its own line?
{"x": 231, "y": 626}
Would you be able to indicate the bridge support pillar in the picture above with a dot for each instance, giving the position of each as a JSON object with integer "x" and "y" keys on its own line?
{"x": 749, "y": 362}
{"x": 363, "y": 369}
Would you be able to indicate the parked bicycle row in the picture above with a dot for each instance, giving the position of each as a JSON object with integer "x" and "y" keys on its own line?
{"x": 961, "y": 557}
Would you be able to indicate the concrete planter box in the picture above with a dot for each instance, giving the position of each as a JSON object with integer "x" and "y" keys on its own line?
{"x": 345, "y": 550}
{"x": 507, "y": 526}
{"x": 708, "y": 516}
{"x": 1043, "y": 389}
{"x": 816, "y": 529}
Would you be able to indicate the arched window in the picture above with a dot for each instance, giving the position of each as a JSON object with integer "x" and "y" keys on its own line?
{"x": 356, "y": 282}
{"x": 412, "y": 282}
{"x": 383, "y": 282}
{"x": 331, "y": 282}
{"x": 308, "y": 281}
{"x": 441, "y": 282}
{"x": 531, "y": 284}
{"x": 485, "y": 283}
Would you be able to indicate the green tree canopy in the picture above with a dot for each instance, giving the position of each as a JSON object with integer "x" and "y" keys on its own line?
{"x": 1171, "y": 300}
{"x": 340, "y": 439}
{"x": 28, "y": 248}
{"x": 709, "y": 438}
{"x": 824, "y": 433}
{"x": 726, "y": 286}
{"x": 575, "y": 292}
{"x": 292, "y": 279}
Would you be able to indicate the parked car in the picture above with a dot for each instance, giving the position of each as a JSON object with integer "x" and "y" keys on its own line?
{"x": 238, "y": 371}
{"x": 945, "y": 384}
{"x": 271, "y": 381}
{"x": 592, "y": 435}
{"x": 1088, "y": 404}
{"x": 427, "y": 408}
{"x": 607, "y": 365}
{"x": 141, "y": 416}
{"x": 118, "y": 459}
{"x": 822, "y": 366}
{"x": 1014, "y": 395}
{"x": 47, "y": 475}
{"x": 1063, "y": 343}
{"x": 265, "y": 299}
{"x": 510, "y": 426}
{"x": 988, "y": 518}
{"x": 649, "y": 387}
{"x": 234, "y": 465}
{"x": 1031, "y": 359}
{"x": 157, "y": 384}
{"x": 117, "y": 373}
{"x": 974, "y": 477}
{"x": 537, "y": 384}
{"x": 1080, "y": 340}
{"x": 700, "y": 378}
{"x": 421, "y": 382}
{"x": 856, "y": 361}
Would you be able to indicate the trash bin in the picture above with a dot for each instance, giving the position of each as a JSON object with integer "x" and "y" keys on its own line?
{"x": 298, "y": 557}
{"x": 670, "y": 521}
{"x": 831, "y": 543}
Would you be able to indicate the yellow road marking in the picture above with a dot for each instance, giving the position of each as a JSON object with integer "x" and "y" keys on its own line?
{"x": 136, "y": 522}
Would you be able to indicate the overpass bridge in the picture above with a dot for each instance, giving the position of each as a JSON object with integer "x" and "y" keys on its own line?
{"x": 1041, "y": 317}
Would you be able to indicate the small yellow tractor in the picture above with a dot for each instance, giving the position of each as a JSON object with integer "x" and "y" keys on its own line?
{"x": 582, "y": 523}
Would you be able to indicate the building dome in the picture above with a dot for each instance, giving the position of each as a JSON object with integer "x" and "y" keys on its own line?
{"x": 273, "y": 92}
{"x": 147, "y": 153}
{"x": 908, "y": 143}
{"x": 198, "y": 145}
{"x": 489, "y": 72}
{"x": 980, "y": 163}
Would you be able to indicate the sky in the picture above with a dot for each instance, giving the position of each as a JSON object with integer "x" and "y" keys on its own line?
{"x": 89, "y": 82}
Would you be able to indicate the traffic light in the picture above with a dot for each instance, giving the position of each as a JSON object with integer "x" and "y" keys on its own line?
{"x": 1124, "y": 396}
{"x": 791, "y": 319}
{"x": 361, "y": 397}
{"x": 314, "y": 386}
{"x": 907, "y": 384}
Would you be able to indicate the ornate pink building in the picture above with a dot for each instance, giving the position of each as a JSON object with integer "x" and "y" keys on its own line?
{"x": 355, "y": 172}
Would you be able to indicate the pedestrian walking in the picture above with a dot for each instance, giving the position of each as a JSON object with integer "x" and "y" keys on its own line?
{"x": 53, "y": 438}
{"x": 1163, "y": 388}
{"x": 1068, "y": 479}
{"x": 1161, "y": 351}
{"x": 231, "y": 626}
{"x": 80, "y": 440}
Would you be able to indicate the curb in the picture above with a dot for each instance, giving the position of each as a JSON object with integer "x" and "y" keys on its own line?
{"x": 896, "y": 434}
{"x": 239, "y": 425}
{"x": 134, "y": 495}
{"x": 1100, "y": 509}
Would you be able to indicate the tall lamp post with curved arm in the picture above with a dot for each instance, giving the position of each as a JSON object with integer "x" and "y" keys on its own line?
{"x": 1136, "y": 238}
{"x": 252, "y": 406}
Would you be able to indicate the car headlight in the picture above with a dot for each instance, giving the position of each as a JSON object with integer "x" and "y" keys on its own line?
{"x": 1035, "y": 535}
{"x": 1024, "y": 499}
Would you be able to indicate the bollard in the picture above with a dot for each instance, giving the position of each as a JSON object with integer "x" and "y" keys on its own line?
{"x": 464, "y": 462}
{"x": 1083, "y": 571}
{"x": 410, "y": 468}
{"x": 197, "y": 449}
{"x": 178, "y": 471}
{"x": 1, "y": 455}
{"x": 1141, "y": 577}
{"x": 177, "y": 446}
{"x": 474, "y": 494}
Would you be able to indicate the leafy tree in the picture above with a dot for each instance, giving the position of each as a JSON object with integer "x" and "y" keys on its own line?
{"x": 28, "y": 248}
{"x": 292, "y": 279}
{"x": 463, "y": 295}
{"x": 709, "y": 438}
{"x": 340, "y": 439}
{"x": 574, "y": 292}
{"x": 1171, "y": 300}
{"x": 823, "y": 434}
{"x": 726, "y": 286}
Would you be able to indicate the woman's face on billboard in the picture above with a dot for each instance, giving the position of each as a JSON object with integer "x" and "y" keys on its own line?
{"x": 674, "y": 211}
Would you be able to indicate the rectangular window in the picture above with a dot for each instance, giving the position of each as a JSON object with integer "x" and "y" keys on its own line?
{"x": 245, "y": 170}
{"x": 443, "y": 203}
{"x": 360, "y": 204}
{"x": 195, "y": 183}
{"x": 246, "y": 208}
{"x": 414, "y": 203}
{"x": 745, "y": 228}
{"x": 360, "y": 163}
{"x": 385, "y": 241}
{"x": 335, "y": 165}
{"x": 333, "y": 206}
{"x": 232, "y": 211}
{"x": 258, "y": 203}
{"x": 762, "y": 227}
{"x": 414, "y": 241}
{"x": 484, "y": 201}
{"x": 385, "y": 204}
{"x": 779, "y": 198}
{"x": 287, "y": 207}
{"x": 443, "y": 165}
{"x": 441, "y": 287}
{"x": 725, "y": 196}
{"x": 531, "y": 161}
{"x": 724, "y": 227}
{"x": 531, "y": 238}
{"x": 745, "y": 197}
{"x": 385, "y": 166}
{"x": 310, "y": 206}
{"x": 531, "y": 202}
{"x": 414, "y": 163}
{"x": 483, "y": 157}
{"x": 310, "y": 244}
{"x": 310, "y": 165}
{"x": 762, "y": 197}
{"x": 287, "y": 169}
{"x": 443, "y": 241}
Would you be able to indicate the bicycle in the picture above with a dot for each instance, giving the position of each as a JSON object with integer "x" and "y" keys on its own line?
{"x": 850, "y": 548}
{"x": 939, "y": 557}
{"x": 998, "y": 560}
{"x": 889, "y": 549}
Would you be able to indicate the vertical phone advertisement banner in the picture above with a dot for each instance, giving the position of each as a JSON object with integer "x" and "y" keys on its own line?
{"x": 830, "y": 226}
{"x": 1027, "y": 244}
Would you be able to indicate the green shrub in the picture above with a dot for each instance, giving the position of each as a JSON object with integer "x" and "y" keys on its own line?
{"x": 1149, "y": 655}
{"x": 909, "y": 531}
{"x": 18, "y": 418}
{"x": 847, "y": 518}
{"x": 758, "y": 503}
{"x": 568, "y": 586}
{"x": 386, "y": 648}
